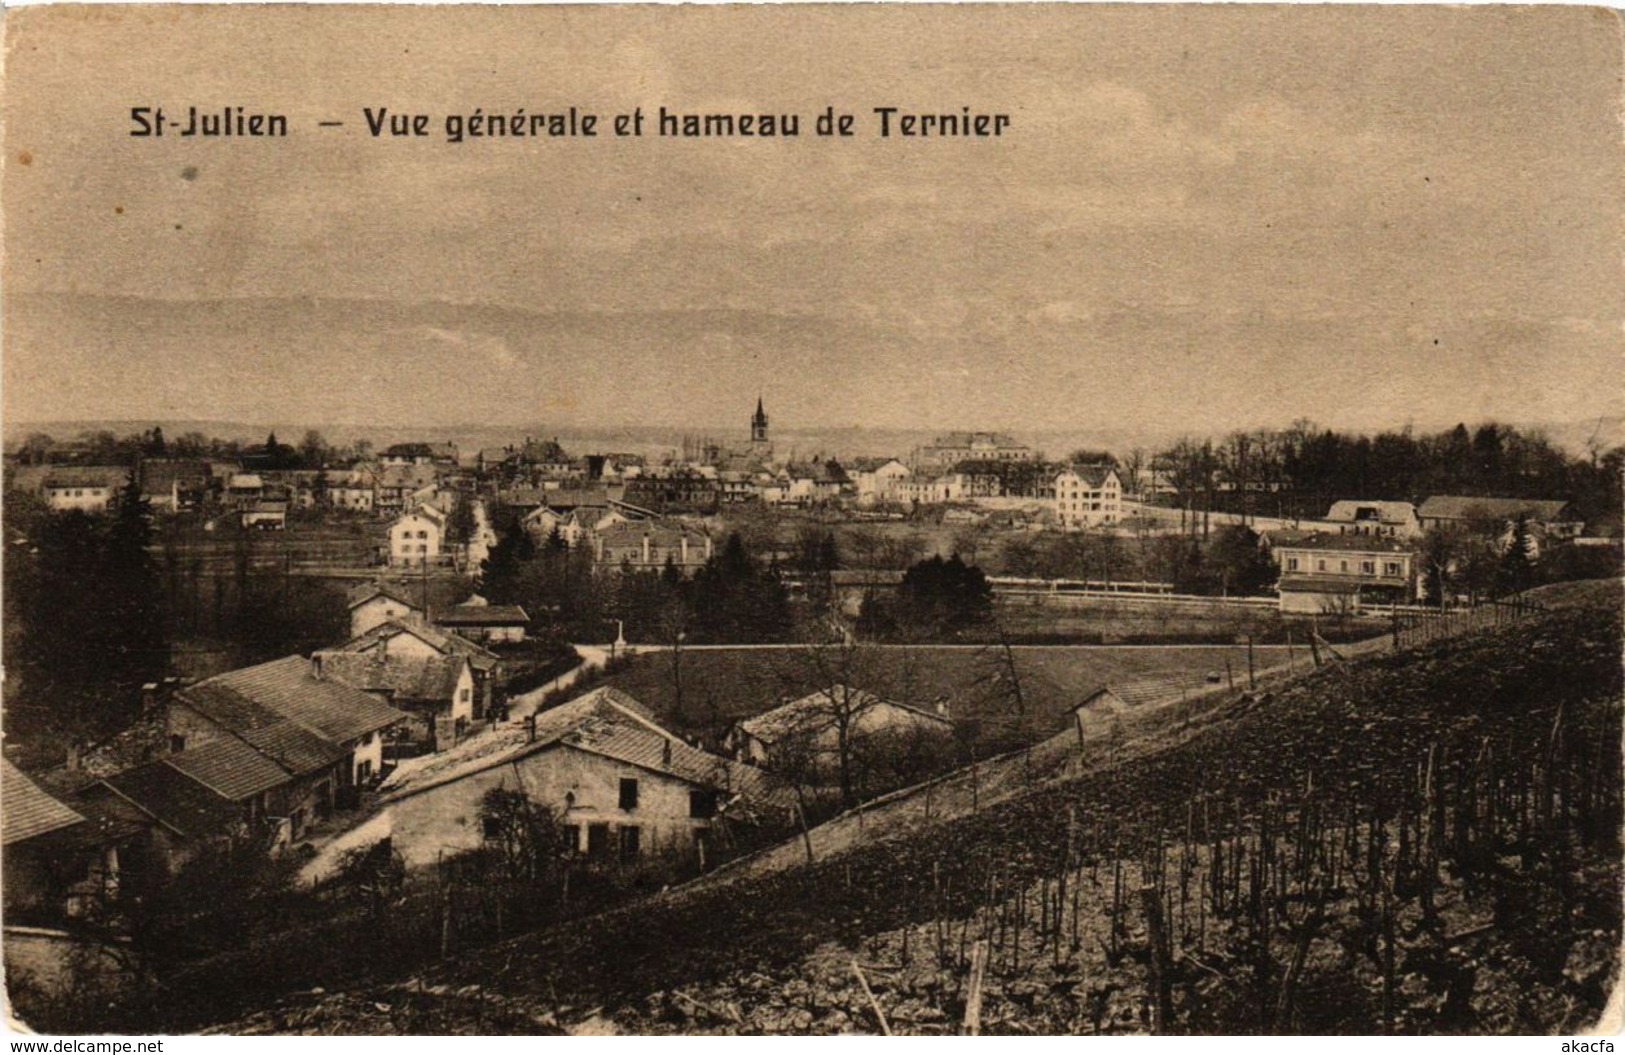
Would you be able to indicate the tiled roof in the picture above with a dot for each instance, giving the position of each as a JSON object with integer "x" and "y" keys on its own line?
{"x": 86, "y": 476}
{"x": 419, "y": 678}
{"x": 814, "y": 713}
{"x": 442, "y": 641}
{"x": 334, "y": 711}
{"x": 158, "y": 476}
{"x": 505, "y": 744}
{"x": 1143, "y": 692}
{"x": 408, "y": 477}
{"x": 483, "y": 615}
{"x": 232, "y": 769}
{"x": 1344, "y": 543}
{"x": 1349, "y": 510}
{"x": 1093, "y": 475}
{"x": 362, "y": 594}
{"x": 666, "y": 536}
{"x": 175, "y": 799}
{"x": 26, "y": 810}
{"x": 1461, "y": 507}
{"x": 635, "y": 744}
{"x": 297, "y": 749}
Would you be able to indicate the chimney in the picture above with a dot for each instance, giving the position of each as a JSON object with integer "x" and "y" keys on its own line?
{"x": 530, "y": 728}
{"x": 316, "y": 665}
{"x": 941, "y": 706}
{"x": 665, "y": 753}
{"x": 74, "y": 757}
{"x": 149, "y": 699}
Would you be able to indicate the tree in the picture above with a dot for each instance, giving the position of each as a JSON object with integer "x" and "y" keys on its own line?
{"x": 313, "y": 450}
{"x": 528, "y": 839}
{"x": 1236, "y": 563}
{"x": 500, "y": 572}
{"x": 91, "y": 614}
{"x": 1438, "y": 566}
{"x": 943, "y": 598}
{"x": 830, "y": 726}
{"x": 1517, "y": 568}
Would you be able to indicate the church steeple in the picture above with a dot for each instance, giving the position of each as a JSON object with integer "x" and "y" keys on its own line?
{"x": 758, "y": 423}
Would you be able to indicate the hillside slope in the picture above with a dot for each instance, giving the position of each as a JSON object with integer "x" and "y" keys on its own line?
{"x": 1453, "y": 812}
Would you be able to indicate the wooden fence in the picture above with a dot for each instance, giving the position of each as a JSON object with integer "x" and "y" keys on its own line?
{"x": 1412, "y": 626}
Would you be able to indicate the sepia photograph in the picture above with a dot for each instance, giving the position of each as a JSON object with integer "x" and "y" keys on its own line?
{"x": 812, "y": 519}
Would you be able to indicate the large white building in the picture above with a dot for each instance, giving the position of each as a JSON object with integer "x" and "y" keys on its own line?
{"x": 415, "y": 538}
{"x": 1088, "y": 496}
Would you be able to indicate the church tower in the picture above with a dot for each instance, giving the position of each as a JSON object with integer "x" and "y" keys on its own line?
{"x": 759, "y": 443}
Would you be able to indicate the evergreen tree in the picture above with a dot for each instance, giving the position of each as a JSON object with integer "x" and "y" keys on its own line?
{"x": 942, "y": 598}
{"x": 1516, "y": 571}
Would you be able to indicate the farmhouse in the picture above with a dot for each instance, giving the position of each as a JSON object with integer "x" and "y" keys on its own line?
{"x": 88, "y": 488}
{"x": 44, "y": 850}
{"x": 376, "y": 603}
{"x": 319, "y": 729}
{"x": 623, "y": 786}
{"x": 481, "y": 621}
{"x": 411, "y": 638}
{"x": 811, "y": 729}
{"x": 1551, "y": 519}
{"x": 436, "y": 691}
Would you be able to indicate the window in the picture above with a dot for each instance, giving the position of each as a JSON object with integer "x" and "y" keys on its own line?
{"x": 177, "y": 742}
{"x": 1391, "y": 568}
{"x": 1320, "y": 565}
{"x": 629, "y": 842}
{"x": 702, "y": 803}
{"x": 572, "y": 837}
{"x": 464, "y": 694}
{"x": 1368, "y": 567}
{"x": 629, "y": 793}
{"x": 1343, "y": 566}
{"x": 492, "y": 827}
{"x": 597, "y": 840}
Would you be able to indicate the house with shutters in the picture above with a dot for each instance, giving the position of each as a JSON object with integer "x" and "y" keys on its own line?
{"x": 415, "y": 538}
{"x": 1324, "y": 573}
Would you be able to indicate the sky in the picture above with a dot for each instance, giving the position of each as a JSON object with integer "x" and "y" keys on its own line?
{"x": 1203, "y": 218}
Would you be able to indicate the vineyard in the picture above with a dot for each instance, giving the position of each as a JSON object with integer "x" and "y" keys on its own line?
{"x": 1425, "y": 841}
